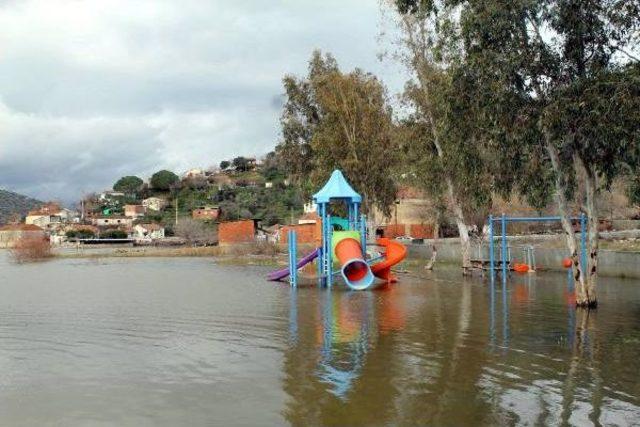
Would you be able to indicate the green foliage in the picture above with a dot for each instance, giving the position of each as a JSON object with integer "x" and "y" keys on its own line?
{"x": 549, "y": 73}
{"x": 113, "y": 234}
{"x": 443, "y": 137}
{"x": 271, "y": 205}
{"x": 80, "y": 234}
{"x": 241, "y": 164}
{"x": 191, "y": 198}
{"x": 163, "y": 180}
{"x": 333, "y": 120}
{"x": 128, "y": 184}
{"x": 151, "y": 217}
{"x": 225, "y": 164}
{"x": 597, "y": 117}
{"x": 633, "y": 190}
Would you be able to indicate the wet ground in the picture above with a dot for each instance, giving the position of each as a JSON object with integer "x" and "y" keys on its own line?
{"x": 187, "y": 342}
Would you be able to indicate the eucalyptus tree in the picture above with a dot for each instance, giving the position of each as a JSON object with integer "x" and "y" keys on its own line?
{"x": 446, "y": 149}
{"x": 340, "y": 120}
{"x": 570, "y": 64}
{"x": 301, "y": 114}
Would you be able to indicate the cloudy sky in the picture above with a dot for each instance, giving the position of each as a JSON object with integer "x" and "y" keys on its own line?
{"x": 93, "y": 90}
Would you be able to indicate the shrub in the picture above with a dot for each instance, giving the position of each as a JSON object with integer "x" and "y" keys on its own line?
{"x": 196, "y": 232}
{"x": 80, "y": 234}
{"x": 113, "y": 234}
{"x": 31, "y": 249}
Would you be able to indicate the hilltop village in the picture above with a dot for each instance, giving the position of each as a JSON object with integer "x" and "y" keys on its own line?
{"x": 241, "y": 200}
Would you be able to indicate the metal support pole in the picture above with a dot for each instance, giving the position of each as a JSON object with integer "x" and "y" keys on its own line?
{"x": 323, "y": 249}
{"x": 329, "y": 254}
{"x": 363, "y": 235}
{"x": 289, "y": 240}
{"x": 319, "y": 267}
{"x": 503, "y": 234}
{"x": 583, "y": 243}
{"x": 491, "y": 251}
{"x": 293, "y": 258}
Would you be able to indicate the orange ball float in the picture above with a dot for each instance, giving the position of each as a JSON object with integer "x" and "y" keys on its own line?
{"x": 567, "y": 263}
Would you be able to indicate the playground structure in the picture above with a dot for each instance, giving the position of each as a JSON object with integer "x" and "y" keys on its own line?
{"x": 344, "y": 241}
{"x": 528, "y": 251}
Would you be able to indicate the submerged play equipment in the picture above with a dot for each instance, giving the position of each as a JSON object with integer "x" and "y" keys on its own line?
{"x": 529, "y": 265}
{"x": 343, "y": 244}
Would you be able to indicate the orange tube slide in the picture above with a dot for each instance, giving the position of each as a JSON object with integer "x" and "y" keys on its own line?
{"x": 349, "y": 253}
{"x": 395, "y": 252}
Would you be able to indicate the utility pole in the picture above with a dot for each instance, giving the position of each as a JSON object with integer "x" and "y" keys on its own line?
{"x": 176, "y": 210}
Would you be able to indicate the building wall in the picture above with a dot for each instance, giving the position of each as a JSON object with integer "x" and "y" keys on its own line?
{"x": 610, "y": 263}
{"x": 39, "y": 220}
{"x": 104, "y": 222}
{"x": 391, "y": 230}
{"x": 310, "y": 234}
{"x": 134, "y": 210}
{"x": 417, "y": 231}
{"x": 205, "y": 214}
{"x": 407, "y": 211}
{"x": 421, "y": 231}
{"x": 235, "y": 232}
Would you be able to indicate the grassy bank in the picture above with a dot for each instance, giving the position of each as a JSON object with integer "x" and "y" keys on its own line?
{"x": 261, "y": 254}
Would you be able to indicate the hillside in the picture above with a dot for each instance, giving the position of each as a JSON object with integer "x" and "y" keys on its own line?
{"x": 14, "y": 203}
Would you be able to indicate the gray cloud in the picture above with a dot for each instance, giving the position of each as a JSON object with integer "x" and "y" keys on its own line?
{"x": 93, "y": 90}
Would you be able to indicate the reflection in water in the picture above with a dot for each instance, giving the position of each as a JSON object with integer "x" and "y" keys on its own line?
{"x": 426, "y": 353}
{"x": 345, "y": 340}
{"x": 347, "y": 325}
{"x": 577, "y": 398}
{"x": 185, "y": 342}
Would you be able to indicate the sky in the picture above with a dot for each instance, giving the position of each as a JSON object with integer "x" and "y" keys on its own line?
{"x": 94, "y": 90}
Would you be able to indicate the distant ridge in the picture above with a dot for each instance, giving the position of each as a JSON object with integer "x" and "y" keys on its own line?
{"x": 13, "y": 203}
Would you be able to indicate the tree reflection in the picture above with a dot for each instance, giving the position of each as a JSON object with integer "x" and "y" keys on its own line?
{"x": 457, "y": 353}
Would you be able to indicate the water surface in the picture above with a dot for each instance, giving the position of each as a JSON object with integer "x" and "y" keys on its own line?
{"x": 181, "y": 341}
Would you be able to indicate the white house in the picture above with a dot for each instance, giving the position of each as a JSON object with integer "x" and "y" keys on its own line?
{"x": 112, "y": 221}
{"x": 154, "y": 203}
{"x": 50, "y": 214}
{"x": 148, "y": 231}
{"x": 108, "y": 195}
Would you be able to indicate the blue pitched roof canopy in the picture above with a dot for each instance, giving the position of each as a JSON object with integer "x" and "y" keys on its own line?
{"x": 337, "y": 188}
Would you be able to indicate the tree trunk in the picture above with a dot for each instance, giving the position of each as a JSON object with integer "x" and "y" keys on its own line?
{"x": 591, "y": 189}
{"x": 434, "y": 247}
{"x": 561, "y": 200}
{"x": 421, "y": 67}
{"x": 463, "y": 230}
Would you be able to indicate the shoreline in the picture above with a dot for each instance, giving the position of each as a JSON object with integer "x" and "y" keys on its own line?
{"x": 235, "y": 255}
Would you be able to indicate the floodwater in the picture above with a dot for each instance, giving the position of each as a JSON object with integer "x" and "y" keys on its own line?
{"x": 136, "y": 342}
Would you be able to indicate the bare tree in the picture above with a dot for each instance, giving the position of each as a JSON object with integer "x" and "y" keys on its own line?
{"x": 196, "y": 232}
